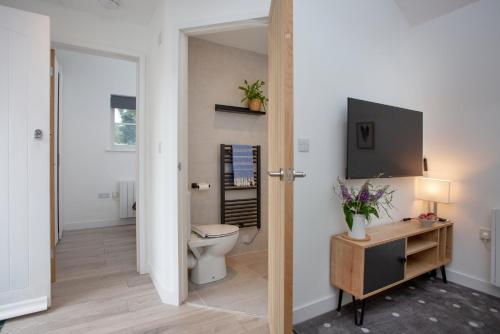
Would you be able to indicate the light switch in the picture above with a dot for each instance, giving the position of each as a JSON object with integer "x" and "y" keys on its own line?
{"x": 303, "y": 145}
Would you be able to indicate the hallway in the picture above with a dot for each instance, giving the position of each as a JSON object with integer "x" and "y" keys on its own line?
{"x": 99, "y": 291}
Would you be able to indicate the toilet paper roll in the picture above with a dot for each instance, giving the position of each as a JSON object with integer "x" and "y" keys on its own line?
{"x": 203, "y": 186}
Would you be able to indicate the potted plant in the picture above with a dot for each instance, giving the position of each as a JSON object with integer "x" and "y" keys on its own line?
{"x": 254, "y": 95}
{"x": 360, "y": 205}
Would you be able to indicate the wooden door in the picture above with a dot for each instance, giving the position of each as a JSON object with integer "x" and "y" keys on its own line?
{"x": 280, "y": 132}
{"x": 24, "y": 162}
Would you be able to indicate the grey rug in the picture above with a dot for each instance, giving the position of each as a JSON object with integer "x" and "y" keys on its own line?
{"x": 424, "y": 305}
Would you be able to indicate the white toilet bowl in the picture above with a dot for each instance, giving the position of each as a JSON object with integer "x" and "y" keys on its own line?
{"x": 210, "y": 244}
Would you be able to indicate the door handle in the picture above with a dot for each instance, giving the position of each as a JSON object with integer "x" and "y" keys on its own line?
{"x": 296, "y": 174}
{"x": 292, "y": 174}
{"x": 38, "y": 134}
{"x": 279, "y": 174}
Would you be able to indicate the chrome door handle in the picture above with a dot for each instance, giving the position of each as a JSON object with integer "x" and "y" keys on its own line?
{"x": 279, "y": 174}
{"x": 298, "y": 174}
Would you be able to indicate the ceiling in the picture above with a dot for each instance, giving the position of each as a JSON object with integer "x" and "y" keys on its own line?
{"x": 251, "y": 38}
{"x": 132, "y": 11}
{"x": 420, "y": 11}
{"x": 141, "y": 11}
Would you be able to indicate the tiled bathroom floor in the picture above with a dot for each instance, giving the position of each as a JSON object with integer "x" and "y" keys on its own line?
{"x": 244, "y": 289}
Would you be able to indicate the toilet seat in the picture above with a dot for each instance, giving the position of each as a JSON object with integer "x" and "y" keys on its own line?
{"x": 211, "y": 234}
{"x": 214, "y": 230}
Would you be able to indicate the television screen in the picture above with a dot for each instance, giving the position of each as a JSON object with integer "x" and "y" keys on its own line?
{"x": 382, "y": 140}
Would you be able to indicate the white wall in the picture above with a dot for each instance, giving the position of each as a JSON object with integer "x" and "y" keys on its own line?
{"x": 447, "y": 68}
{"x": 163, "y": 83}
{"x": 215, "y": 72}
{"x": 88, "y": 165}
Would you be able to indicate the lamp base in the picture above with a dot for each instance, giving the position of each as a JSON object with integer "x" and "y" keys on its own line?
{"x": 435, "y": 208}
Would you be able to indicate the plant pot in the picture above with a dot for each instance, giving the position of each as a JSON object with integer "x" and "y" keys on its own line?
{"x": 358, "y": 227}
{"x": 254, "y": 105}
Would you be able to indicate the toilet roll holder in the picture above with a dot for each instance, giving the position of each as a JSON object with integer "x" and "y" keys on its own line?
{"x": 197, "y": 186}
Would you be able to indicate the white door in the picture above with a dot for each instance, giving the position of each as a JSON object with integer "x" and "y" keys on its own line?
{"x": 24, "y": 163}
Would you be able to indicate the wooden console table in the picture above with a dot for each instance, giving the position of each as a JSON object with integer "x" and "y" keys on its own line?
{"x": 396, "y": 253}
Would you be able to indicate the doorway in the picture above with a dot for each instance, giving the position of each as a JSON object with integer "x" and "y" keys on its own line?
{"x": 218, "y": 125}
{"x": 97, "y": 120}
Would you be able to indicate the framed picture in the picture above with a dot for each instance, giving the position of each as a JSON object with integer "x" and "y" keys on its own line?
{"x": 365, "y": 135}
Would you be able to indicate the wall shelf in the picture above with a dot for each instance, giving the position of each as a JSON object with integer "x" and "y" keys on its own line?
{"x": 238, "y": 110}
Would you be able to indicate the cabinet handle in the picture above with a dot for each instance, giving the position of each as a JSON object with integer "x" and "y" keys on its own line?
{"x": 402, "y": 259}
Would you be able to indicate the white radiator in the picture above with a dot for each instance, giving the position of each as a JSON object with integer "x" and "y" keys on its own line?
{"x": 127, "y": 199}
{"x": 495, "y": 247}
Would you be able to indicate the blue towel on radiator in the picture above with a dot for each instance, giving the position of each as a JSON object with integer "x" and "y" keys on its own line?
{"x": 243, "y": 166}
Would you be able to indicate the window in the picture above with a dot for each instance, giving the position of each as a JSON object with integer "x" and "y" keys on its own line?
{"x": 123, "y": 123}
{"x": 123, "y": 128}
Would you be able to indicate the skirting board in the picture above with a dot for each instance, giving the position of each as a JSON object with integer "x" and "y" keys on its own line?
{"x": 329, "y": 303}
{"x": 318, "y": 307}
{"x": 472, "y": 282}
{"x": 25, "y": 307}
{"x": 97, "y": 224}
{"x": 167, "y": 297}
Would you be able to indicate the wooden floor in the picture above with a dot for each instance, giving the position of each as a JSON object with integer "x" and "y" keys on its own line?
{"x": 99, "y": 291}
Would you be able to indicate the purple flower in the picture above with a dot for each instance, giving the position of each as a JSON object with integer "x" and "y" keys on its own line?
{"x": 344, "y": 192}
{"x": 380, "y": 193}
{"x": 364, "y": 193}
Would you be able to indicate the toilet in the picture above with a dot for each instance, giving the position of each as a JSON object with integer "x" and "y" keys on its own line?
{"x": 209, "y": 245}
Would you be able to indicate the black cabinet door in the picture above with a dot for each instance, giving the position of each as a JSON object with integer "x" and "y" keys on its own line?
{"x": 384, "y": 265}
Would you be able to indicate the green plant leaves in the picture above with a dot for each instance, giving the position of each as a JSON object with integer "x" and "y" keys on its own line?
{"x": 348, "y": 215}
{"x": 254, "y": 92}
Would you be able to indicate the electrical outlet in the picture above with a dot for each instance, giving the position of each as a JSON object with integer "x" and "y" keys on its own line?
{"x": 103, "y": 195}
{"x": 484, "y": 234}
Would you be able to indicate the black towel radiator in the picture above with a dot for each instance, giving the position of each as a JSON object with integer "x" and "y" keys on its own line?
{"x": 243, "y": 212}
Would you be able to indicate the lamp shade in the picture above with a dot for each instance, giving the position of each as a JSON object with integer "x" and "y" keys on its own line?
{"x": 433, "y": 190}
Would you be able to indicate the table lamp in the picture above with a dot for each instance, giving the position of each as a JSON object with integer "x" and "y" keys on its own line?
{"x": 433, "y": 190}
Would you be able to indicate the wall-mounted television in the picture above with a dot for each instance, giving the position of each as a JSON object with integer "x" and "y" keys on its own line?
{"x": 382, "y": 139}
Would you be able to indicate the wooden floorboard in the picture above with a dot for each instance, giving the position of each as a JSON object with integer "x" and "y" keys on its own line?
{"x": 99, "y": 291}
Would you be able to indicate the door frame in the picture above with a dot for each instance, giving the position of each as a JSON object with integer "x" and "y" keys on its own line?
{"x": 52, "y": 168}
{"x": 280, "y": 263}
{"x": 182, "y": 131}
{"x": 141, "y": 130}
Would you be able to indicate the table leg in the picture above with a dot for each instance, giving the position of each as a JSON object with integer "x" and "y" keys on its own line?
{"x": 362, "y": 313}
{"x": 341, "y": 294}
{"x": 443, "y": 274}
